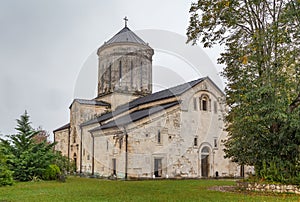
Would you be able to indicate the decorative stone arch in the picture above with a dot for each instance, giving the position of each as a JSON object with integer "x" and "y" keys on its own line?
{"x": 205, "y": 160}
{"x": 205, "y": 102}
{"x": 188, "y": 101}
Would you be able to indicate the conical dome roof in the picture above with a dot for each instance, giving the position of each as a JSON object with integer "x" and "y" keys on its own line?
{"x": 126, "y": 35}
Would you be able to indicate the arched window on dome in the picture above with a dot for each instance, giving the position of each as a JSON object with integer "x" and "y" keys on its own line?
{"x": 120, "y": 72}
{"x": 131, "y": 74}
{"x": 141, "y": 76}
{"x": 109, "y": 72}
{"x": 102, "y": 78}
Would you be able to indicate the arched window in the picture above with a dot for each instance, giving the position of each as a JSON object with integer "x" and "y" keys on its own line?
{"x": 75, "y": 162}
{"x": 141, "y": 76}
{"x": 195, "y": 141}
{"x": 158, "y": 137}
{"x": 102, "y": 78}
{"x": 215, "y": 142}
{"x": 74, "y": 137}
{"x": 120, "y": 72}
{"x": 204, "y": 103}
{"x": 131, "y": 74}
{"x": 109, "y": 83}
{"x": 205, "y": 150}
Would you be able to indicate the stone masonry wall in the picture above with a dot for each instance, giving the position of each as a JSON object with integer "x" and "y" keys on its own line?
{"x": 270, "y": 187}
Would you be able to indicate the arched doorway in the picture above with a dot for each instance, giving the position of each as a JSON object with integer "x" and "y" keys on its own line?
{"x": 205, "y": 162}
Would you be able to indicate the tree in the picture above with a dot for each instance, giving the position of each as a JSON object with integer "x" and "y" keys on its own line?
{"x": 41, "y": 136}
{"x": 262, "y": 69}
{"x": 27, "y": 158}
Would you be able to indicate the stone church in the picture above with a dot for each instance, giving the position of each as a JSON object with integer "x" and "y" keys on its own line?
{"x": 129, "y": 132}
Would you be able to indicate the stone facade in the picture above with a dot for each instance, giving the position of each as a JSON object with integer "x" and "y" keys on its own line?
{"x": 69, "y": 138}
{"x": 62, "y": 138}
{"x": 189, "y": 144}
{"x": 128, "y": 131}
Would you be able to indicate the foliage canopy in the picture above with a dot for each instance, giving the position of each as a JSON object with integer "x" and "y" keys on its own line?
{"x": 262, "y": 69}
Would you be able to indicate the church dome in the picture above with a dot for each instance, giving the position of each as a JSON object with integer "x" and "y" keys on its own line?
{"x": 125, "y": 65}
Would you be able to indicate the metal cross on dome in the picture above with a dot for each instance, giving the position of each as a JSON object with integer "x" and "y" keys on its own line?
{"x": 125, "y": 19}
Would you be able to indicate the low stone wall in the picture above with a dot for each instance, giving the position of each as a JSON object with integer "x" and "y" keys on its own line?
{"x": 279, "y": 188}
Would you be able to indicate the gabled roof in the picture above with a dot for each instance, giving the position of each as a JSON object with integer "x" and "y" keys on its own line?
{"x": 62, "y": 128}
{"x": 135, "y": 116}
{"x": 167, "y": 93}
{"x": 90, "y": 102}
{"x": 126, "y": 35}
{"x": 164, "y": 94}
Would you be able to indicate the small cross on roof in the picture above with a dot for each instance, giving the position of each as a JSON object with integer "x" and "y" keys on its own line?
{"x": 125, "y": 19}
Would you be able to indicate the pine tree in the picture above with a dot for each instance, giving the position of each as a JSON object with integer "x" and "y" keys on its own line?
{"x": 28, "y": 159}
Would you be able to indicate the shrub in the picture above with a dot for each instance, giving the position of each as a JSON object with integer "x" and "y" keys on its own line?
{"x": 6, "y": 176}
{"x": 65, "y": 165}
{"x": 51, "y": 173}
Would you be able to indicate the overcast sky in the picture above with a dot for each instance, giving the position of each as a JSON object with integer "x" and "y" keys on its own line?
{"x": 45, "y": 45}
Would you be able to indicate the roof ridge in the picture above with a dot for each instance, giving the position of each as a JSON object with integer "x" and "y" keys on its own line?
{"x": 136, "y": 115}
{"x": 163, "y": 94}
{"x": 66, "y": 126}
{"x": 192, "y": 84}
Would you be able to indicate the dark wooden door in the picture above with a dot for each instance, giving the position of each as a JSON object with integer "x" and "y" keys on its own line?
{"x": 157, "y": 168}
{"x": 204, "y": 166}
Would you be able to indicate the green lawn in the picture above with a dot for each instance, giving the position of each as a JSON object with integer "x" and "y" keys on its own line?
{"x": 83, "y": 189}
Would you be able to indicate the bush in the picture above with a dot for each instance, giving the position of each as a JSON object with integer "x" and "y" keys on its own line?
{"x": 279, "y": 172}
{"x": 6, "y": 176}
{"x": 65, "y": 165}
{"x": 51, "y": 173}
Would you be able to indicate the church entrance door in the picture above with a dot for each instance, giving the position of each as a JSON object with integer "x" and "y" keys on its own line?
{"x": 157, "y": 168}
{"x": 204, "y": 165}
{"x": 114, "y": 165}
{"x": 205, "y": 162}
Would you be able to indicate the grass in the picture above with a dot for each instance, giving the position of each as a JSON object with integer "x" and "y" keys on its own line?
{"x": 84, "y": 189}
